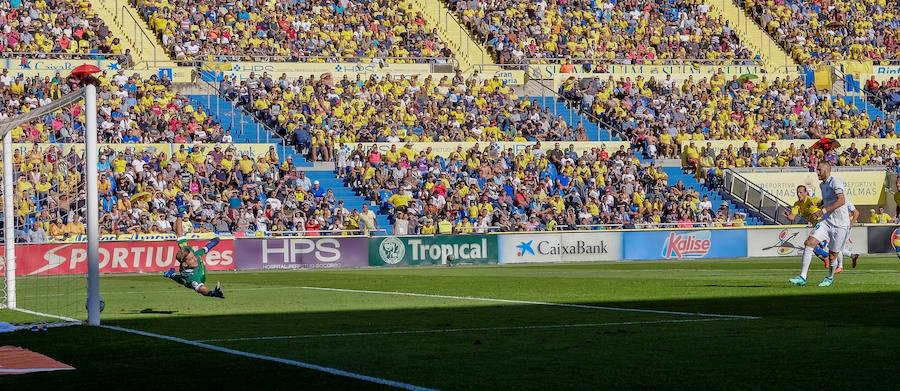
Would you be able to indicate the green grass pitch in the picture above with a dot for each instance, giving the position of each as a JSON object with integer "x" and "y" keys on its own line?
{"x": 441, "y": 333}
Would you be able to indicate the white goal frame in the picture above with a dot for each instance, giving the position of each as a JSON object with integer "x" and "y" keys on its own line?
{"x": 89, "y": 93}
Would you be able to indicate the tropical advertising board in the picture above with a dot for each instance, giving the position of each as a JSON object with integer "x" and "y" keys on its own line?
{"x": 433, "y": 250}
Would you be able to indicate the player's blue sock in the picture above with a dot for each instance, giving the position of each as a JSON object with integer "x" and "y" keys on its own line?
{"x": 821, "y": 252}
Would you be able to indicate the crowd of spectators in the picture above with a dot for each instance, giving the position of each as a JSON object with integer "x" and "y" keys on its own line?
{"x": 319, "y": 113}
{"x": 308, "y": 30}
{"x": 826, "y": 30}
{"x": 709, "y": 163}
{"x": 204, "y": 188}
{"x": 636, "y": 31}
{"x": 490, "y": 189}
{"x": 130, "y": 110}
{"x": 885, "y": 95}
{"x": 658, "y": 115}
{"x": 54, "y": 29}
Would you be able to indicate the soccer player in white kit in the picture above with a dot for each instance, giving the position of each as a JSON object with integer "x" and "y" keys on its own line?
{"x": 833, "y": 226}
{"x": 848, "y": 247}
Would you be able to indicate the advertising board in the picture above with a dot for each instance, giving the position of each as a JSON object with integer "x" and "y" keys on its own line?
{"x": 788, "y": 241}
{"x": 561, "y": 247}
{"x": 433, "y": 250}
{"x": 115, "y": 257}
{"x": 883, "y": 239}
{"x": 301, "y": 253}
{"x": 652, "y": 245}
{"x": 863, "y": 187}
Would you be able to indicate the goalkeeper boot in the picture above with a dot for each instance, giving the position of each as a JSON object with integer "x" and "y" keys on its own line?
{"x": 799, "y": 281}
{"x": 826, "y": 282}
{"x": 170, "y": 273}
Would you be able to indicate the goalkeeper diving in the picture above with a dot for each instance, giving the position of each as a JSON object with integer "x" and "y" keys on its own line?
{"x": 191, "y": 269}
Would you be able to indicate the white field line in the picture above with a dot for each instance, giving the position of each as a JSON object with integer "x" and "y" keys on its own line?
{"x": 63, "y": 318}
{"x": 777, "y": 272}
{"x": 463, "y": 330}
{"x": 565, "y": 305}
{"x": 301, "y": 364}
{"x": 471, "y": 298}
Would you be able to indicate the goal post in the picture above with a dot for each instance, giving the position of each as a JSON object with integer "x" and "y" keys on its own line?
{"x": 9, "y": 230}
{"x": 93, "y": 204}
{"x": 53, "y": 299}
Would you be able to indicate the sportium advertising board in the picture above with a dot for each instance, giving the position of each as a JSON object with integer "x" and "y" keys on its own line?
{"x": 115, "y": 257}
{"x": 301, "y": 253}
{"x": 864, "y": 187}
{"x": 652, "y": 245}
{"x": 561, "y": 247}
{"x": 788, "y": 241}
{"x": 433, "y": 250}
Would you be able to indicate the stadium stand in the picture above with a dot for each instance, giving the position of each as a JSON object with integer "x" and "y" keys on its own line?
{"x": 707, "y": 164}
{"x": 308, "y": 31}
{"x": 475, "y": 189}
{"x": 657, "y": 115}
{"x": 816, "y": 30}
{"x": 54, "y": 29}
{"x": 885, "y": 94}
{"x": 131, "y": 110}
{"x": 318, "y": 112}
{"x": 140, "y": 184}
{"x": 144, "y": 190}
{"x": 490, "y": 189}
{"x": 629, "y": 31}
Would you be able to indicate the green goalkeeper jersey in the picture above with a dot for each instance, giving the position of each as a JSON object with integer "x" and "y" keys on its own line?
{"x": 193, "y": 276}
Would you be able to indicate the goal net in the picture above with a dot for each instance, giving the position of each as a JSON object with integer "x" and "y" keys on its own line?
{"x": 45, "y": 211}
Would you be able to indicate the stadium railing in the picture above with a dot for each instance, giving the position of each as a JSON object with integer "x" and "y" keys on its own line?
{"x": 434, "y": 61}
{"x": 577, "y": 111}
{"x": 460, "y": 38}
{"x": 59, "y": 56}
{"x": 321, "y": 232}
{"x": 143, "y": 42}
{"x": 755, "y": 197}
{"x": 263, "y": 131}
{"x": 659, "y": 61}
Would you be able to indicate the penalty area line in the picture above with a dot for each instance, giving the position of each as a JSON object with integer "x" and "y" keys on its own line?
{"x": 296, "y": 363}
{"x": 468, "y": 329}
{"x": 543, "y": 303}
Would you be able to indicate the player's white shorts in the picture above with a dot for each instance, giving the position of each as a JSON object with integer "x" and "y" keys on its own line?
{"x": 836, "y": 236}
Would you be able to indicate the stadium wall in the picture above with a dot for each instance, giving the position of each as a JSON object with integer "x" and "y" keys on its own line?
{"x": 150, "y": 255}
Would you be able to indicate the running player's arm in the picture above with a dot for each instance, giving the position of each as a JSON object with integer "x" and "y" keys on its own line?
{"x": 792, "y": 213}
{"x": 838, "y": 188}
{"x": 854, "y": 213}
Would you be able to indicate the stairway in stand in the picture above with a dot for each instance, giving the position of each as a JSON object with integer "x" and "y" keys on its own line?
{"x": 676, "y": 173}
{"x": 245, "y": 129}
{"x": 574, "y": 118}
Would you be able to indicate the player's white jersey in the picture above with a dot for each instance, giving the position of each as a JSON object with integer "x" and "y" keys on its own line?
{"x": 839, "y": 217}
